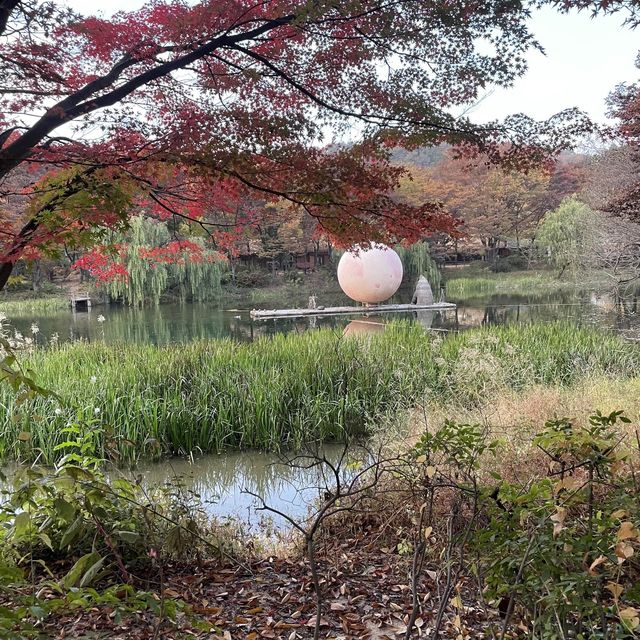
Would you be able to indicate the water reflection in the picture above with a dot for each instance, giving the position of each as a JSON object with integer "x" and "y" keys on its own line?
{"x": 370, "y": 326}
{"x": 224, "y": 482}
{"x": 174, "y": 323}
{"x": 221, "y": 480}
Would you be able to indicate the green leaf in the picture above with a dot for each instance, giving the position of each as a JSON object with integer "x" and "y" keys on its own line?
{"x": 128, "y": 536}
{"x": 72, "y": 532}
{"x": 38, "y": 612}
{"x": 47, "y": 540}
{"x": 10, "y": 574}
{"x": 21, "y": 523}
{"x": 91, "y": 573}
{"x": 79, "y": 568}
{"x": 64, "y": 509}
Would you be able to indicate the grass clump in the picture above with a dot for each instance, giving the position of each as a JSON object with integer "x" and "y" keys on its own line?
{"x": 475, "y": 283}
{"x": 281, "y": 392}
{"x": 17, "y": 307}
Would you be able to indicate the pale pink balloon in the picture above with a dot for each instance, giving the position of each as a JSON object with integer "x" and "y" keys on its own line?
{"x": 372, "y": 275}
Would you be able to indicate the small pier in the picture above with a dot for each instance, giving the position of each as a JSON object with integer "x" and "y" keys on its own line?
{"x": 80, "y": 302}
{"x": 266, "y": 314}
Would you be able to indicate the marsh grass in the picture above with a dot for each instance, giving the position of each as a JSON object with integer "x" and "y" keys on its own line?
{"x": 280, "y": 392}
{"x": 18, "y": 308}
{"x": 514, "y": 417}
{"x": 478, "y": 283}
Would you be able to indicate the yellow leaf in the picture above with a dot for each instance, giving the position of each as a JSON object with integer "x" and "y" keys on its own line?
{"x": 620, "y": 513}
{"x": 617, "y": 466}
{"x": 431, "y": 471}
{"x": 569, "y": 483}
{"x": 427, "y": 532}
{"x": 558, "y": 520}
{"x": 421, "y": 459}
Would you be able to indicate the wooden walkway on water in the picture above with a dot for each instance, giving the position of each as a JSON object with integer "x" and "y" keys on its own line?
{"x": 266, "y": 314}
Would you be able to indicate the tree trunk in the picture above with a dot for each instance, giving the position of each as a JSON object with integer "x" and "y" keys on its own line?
{"x": 5, "y": 272}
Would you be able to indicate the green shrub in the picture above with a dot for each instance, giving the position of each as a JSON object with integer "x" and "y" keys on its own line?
{"x": 559, "y": 552}
{"x": 514, "y": 262}
{"x": 251, "y": 278}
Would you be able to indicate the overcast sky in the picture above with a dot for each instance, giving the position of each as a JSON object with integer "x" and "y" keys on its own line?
{"x": 585, "y": 58}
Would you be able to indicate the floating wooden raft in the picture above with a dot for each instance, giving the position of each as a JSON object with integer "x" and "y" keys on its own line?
{"x": 265, "y": 314}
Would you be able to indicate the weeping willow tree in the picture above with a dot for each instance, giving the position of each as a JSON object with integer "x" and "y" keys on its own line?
{"x": 417, "y": 261}
{"x": 156, "y": 264}
{"x": 568, "y": 236}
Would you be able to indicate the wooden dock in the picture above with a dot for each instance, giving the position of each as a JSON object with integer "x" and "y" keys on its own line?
{"x": 80, "y": 302}
{"x": 266, "y": 314}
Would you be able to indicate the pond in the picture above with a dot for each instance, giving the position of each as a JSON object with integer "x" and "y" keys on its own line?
{"x": 227, "y": 484}
{"x": 221, "y": 480}
{"x": 175, "y": 323}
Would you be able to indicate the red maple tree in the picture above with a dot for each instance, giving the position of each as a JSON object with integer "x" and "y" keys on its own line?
{"x": 624, "y": 193}
{"x": 186, "y": 110}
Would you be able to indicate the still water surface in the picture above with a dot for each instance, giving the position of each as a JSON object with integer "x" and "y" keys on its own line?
{"x": 176, "y": 323}
{"x": 225, "y": 483}
{"x": 222, "y": 480}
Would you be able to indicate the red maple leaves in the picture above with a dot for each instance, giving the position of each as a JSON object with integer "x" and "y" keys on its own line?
{"x": 208, "y": 106}
{"x": 101, "y": 265}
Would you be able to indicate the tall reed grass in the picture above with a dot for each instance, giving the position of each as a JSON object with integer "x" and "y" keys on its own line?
{"x": 13, "y": 308}
{"x": 207, "y": 396}
{"x": 482, "y": 283}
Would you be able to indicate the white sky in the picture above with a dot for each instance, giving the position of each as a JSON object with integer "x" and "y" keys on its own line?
{"x": 585, "y": 59}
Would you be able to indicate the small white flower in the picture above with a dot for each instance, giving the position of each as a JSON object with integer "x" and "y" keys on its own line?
{"x": 54, "y": 339}
{"x": 96, "y": 411}
{"x": 35, "y": 328}
{"x": 3, "y": 317}
{"x": 93, "y": 379}
{"x": 57, "y": 411}
{"x": 101, "y": 318}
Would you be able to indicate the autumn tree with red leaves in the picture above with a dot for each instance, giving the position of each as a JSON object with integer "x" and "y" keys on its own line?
{"x": 187, "y": 110}
{"x": 614, "y": 176}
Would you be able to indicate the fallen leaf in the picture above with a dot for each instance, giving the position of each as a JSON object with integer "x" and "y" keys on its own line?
{"x": 624, "y": 551}
{"x": 629, "y": 617}
{"x": 615, "y": 589}
{"x": 627, "y": 530}
{"x": 596, "y": 563}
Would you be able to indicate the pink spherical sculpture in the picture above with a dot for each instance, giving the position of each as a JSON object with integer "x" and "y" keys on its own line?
{"x": 372, "y": 275}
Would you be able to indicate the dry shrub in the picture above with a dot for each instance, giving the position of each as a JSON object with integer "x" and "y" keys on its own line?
{"x": 516, "y": 416}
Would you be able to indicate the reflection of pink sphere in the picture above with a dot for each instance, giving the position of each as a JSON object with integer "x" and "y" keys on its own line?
{"x": 370, "y": 275}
